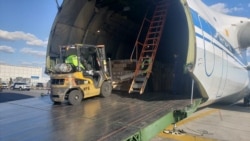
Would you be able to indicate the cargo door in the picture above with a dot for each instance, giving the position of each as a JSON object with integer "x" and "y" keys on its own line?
{"x": 223, "y": 75}
{"x": 212, "y": 58}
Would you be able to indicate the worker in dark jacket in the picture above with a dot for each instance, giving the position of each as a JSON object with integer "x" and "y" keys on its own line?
{"x": 177, "y": 74}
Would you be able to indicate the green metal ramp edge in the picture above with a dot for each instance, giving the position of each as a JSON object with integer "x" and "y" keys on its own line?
{"x": 156, "y": 127}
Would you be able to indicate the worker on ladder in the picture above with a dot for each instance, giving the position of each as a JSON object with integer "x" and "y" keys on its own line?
{"x": 145, "y": 65}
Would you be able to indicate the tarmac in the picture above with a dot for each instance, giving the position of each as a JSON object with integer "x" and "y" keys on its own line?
{"x": 212, "y": 123}
{"x": 12, "y": 95}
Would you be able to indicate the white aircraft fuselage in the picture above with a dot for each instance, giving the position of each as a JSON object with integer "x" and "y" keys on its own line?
{"x": 220, "y": 61}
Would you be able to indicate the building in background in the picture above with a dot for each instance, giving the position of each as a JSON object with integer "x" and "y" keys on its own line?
{"x": 31, "y": 75}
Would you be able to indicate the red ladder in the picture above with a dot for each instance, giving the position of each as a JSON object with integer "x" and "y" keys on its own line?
{"x": 149, "y": 47}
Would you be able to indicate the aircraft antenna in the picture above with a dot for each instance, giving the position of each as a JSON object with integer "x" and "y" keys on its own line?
{"x": 57, "y": 4}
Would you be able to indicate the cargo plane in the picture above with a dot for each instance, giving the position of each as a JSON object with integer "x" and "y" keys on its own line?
{"x": 211, "y": 47}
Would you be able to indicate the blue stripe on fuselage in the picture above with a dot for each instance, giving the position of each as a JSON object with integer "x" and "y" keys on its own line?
{"x": 209, "y": 29}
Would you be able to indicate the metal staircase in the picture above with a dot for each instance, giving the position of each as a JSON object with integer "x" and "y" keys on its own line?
{"x": 149, "y": 45}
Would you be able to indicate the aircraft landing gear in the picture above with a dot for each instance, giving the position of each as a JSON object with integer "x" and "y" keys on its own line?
{"x": 246, "y": 101}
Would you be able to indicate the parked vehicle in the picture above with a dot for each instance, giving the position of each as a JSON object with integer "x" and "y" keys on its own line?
{"x": 39, "y": 85}
{"x": 1, "y": 86}
{"x": 21, "y": 86}
{"x": 4, "y": 86}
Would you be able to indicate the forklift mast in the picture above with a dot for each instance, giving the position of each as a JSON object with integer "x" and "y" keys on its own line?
{"x": 101, "y": 58}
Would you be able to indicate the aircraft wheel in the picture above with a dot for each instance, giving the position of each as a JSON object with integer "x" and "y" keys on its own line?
{"x": 75, "y": 97}
{"x": 246, "y": 101}
{"x": 106, "y": 89}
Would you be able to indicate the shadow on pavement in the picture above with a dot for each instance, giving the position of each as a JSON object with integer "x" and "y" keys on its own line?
{"x": 5, "y": 97}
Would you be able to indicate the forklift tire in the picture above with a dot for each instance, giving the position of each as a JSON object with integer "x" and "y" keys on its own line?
{"x": 55, "y": 102}
{"x": 75, "y": 97}
{"x": 106, "y": 89}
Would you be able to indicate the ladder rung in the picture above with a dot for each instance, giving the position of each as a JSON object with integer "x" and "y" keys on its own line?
{"x": 155, "y": 43}
{"x": 159, "y": 22}
{"x": 158, "y": 16}
{"x": 151, "y": 45}
{"x": 149, "y": 39}
{"x": 153, "y": 32}
{"x": 145, "y": 57}
{"x": 148, "y": 50}
{"x": 163, "y": 5}
{"x": 158, "y": 19}
{"x": 153, "y": 38}
{"x": 162, "y": 1}
{"x": 155, "y": 24}
{"x": 154, "y": 35}
{"x": 134, "y": 91}
{"x": 160, "y": 10}
{"x": 137, "y": 86}
{"x": 160, "y": 13}
{"x": 153, "y": 27}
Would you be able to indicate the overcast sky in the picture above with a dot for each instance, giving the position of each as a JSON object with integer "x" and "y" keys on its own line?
{"x": 25, "y": 26}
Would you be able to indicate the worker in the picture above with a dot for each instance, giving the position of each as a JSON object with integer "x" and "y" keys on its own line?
{"x": 72, "y": 59}
{"x": 145, "y": 65}
{"x": 177, "y": 74}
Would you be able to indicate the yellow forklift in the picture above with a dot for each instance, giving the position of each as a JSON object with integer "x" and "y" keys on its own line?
{"x": 81, "y": 72}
